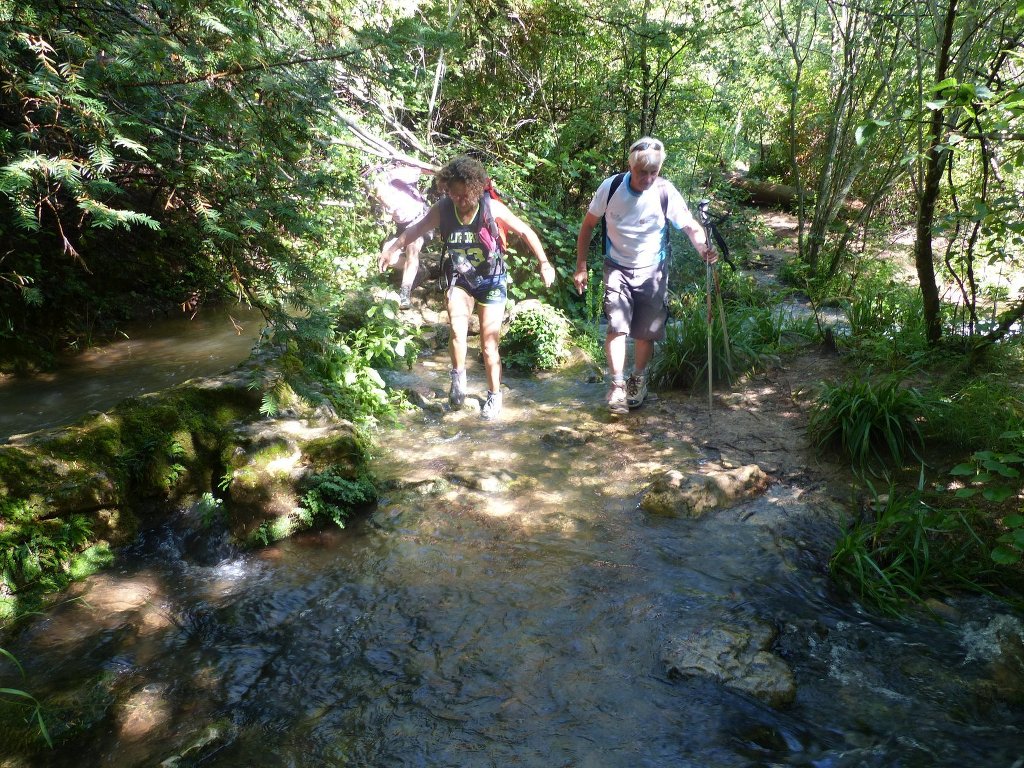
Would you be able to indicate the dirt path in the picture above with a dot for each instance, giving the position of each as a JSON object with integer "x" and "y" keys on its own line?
{"x": 760, "y": 419}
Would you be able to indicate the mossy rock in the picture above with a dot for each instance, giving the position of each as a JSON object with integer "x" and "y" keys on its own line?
{"x": 88, "y": 487}
{"x": 268, "y": 466}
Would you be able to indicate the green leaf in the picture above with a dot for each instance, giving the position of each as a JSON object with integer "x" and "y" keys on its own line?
{"x": 869, "y": 129}
{"x": 1000, "y": 494}
{"x": 1005, "y": 555}
{"x": 16, "y": 692}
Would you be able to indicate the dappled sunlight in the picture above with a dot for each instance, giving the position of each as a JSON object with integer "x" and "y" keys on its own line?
{"x": 285, "y": 465}
{"x": 104, "y": 602}
{"x": 144, "y": 712}
{"x": 511, "y": 583}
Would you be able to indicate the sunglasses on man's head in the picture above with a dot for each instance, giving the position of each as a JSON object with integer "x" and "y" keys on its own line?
{"x": 643, "y": 146}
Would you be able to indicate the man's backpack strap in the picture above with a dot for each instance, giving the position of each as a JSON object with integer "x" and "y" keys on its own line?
{"x": 616, "y": 183}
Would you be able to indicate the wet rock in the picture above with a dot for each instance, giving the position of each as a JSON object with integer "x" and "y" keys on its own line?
{"x": 1000, "y": 643}
{"x": 143, "y": 712}
{"x": 210, "y": 740}
{"x": 566, "y": 437}
{"x": 678, "y": 494}
{"x": 271, "y": 460}
{"x": 738, "y": 657}
{"x": 427, "y": 400}
{"x": 487, "y": 480}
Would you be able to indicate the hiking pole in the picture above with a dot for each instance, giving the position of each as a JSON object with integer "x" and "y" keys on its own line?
{"x": 710, "y": 318}
{"x": 725, "y": 325}
{"x": 702, "y": 209}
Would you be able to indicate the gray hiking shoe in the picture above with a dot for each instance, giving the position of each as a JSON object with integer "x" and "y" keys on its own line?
{"x": 457, "y": 391}
{"x": 492, "y": 406}
{"x": 636, "y": 390}
{"x": 405, "y": 298}
{"x": 617, "y": 398}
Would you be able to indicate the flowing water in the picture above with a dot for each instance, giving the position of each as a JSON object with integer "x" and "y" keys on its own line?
{"x": 149, "y": 356}
{"x": 508, "y": 604}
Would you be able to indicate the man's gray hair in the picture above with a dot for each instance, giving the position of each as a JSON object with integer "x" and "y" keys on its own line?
{"x": 647, "y": 154}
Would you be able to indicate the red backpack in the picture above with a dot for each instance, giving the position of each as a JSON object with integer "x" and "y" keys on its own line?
{"x": 492, "y": 223}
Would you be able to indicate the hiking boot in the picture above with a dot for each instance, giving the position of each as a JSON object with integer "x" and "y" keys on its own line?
{"x": 617, "y": 398}
{"x": 457, "y": 391}
{"x": 636, "y": 390}
{"x": 405, "y": 298}
{"x": 492, "y": 406}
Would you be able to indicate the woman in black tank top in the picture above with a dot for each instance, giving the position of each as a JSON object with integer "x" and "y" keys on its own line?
{"x": 474, "y": 266}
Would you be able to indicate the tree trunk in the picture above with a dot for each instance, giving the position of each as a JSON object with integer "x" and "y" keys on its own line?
{"x": 778, "y": 195}
{"x": 935, "y": 159}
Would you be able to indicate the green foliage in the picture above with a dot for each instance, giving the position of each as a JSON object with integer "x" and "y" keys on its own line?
{"x": 22, "y": 699}
{"x": 37, "y": 554}
{"x": 91, "y": 560}
{"x": 334, "y": 497}
{"x": 537, "y": 338}
{"x": 755, "y": 333}
{"x": 182, "y": 128}
{"x": 909, "y": 552}
{"x": 210, "y": 509}
{"x": 996, "y": 477}
{"x": 873, "y": 423}
{"x": 977, "y": 412}
{"x": 327, "y": 356}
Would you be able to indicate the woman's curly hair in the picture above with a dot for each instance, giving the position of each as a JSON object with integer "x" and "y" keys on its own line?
{"x": 467, "y": 170}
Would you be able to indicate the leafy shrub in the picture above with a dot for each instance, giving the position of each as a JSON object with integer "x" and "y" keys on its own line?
{"x": 996, "y": 476}
{"x": 335, "y": 497}
{"x": 979, "y": 413}
{"x": 908, "y": 552}
{"x": 539, "y": 337}
{"x": 754, "y": 332}
{"x": 870, "y": 422}
{"x": 323, "y": 360}
{"x": 38, "y": 554}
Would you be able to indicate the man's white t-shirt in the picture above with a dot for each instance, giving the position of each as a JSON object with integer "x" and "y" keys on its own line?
{"x": 637, "y": 226}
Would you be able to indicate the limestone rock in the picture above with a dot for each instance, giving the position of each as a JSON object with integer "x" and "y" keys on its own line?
{"x": 738, "y": 657}
{"x": 676, "y": 494}
{"x": 566, "y": 437}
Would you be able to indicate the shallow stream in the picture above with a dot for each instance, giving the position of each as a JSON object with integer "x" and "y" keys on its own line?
{"x": 149, "y": 356}
{"x": 508, "y": 604}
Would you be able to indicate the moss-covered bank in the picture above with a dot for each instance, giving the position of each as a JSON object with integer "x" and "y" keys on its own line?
{"x": 69, "y": 498}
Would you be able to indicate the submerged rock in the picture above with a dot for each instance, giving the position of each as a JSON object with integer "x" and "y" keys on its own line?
{"x": 737, "y": 657}
{"x": 677, "y": 494}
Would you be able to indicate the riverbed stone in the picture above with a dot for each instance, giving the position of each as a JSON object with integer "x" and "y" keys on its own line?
{"x": 681, "y": 494}
{"x": 1000, "y": 644}
{"x": 486, "y": 480}
{"x": 736, "y": 655}
{"x": 566, "y": 437}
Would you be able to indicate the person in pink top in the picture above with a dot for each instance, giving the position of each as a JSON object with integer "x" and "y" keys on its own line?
{"x": 396, "y": 186}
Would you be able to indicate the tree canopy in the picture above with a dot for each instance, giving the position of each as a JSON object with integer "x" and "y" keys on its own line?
{"x": 163, "y": 154}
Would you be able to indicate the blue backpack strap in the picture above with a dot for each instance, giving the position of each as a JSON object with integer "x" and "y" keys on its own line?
{"x": 664, "y": 212}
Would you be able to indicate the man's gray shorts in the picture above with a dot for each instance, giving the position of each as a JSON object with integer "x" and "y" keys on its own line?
{"x": 636, "y": 300}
